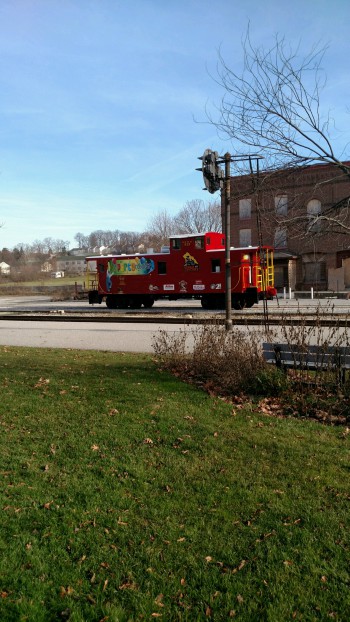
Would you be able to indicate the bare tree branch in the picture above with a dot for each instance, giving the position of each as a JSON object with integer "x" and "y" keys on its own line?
{"x": 273, "y": 109}
{"x": 196, "y": 217}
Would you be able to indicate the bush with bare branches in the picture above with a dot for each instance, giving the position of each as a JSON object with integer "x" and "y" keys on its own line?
{"x": 230, "y": 364}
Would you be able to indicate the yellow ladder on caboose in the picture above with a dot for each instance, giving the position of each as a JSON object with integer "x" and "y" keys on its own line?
{"x": 266, "y": 272}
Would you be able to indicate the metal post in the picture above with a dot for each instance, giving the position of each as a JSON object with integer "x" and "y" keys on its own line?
{"x": 228, "y": 302}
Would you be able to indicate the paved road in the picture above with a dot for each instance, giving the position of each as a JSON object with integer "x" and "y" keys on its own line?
{"x": 86, "y": 336}
{"x": 127, "y": 337}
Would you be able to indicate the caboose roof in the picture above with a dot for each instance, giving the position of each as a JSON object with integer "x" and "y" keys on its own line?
{"x": 194, "y": 235}
{"x": 125, "y": 255}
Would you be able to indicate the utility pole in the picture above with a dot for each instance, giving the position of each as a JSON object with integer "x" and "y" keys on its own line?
{"x": 226, "y": 201}
{"x": 216, "y": 179}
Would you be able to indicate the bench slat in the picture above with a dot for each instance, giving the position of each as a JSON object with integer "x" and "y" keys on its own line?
{"x": 313, "y": 357}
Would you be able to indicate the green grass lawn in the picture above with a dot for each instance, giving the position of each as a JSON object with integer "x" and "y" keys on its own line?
{"x": 45, "y": 281}
{"x": 128, "y": 495}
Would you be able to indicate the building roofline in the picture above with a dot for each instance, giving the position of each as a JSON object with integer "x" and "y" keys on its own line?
{"x": 294, "y": 169}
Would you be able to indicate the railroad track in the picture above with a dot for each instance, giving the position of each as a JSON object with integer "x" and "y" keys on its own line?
{"x": 188, "y": 317}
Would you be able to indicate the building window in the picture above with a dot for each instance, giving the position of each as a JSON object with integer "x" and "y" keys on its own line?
{"x": 281, "y": 205}
{"x": 215, "y": 265}
{"x": 313, "y": 210}
{"x": 245, "y": 237}
{"x": 161, "y": 267}
{"x": 315, "y": 272}
{"x": 280, "y": 240}
{"x": 245, "y": 208}
{"x": 281, "y": 276}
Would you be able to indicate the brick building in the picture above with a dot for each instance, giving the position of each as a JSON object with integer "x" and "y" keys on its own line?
{"x": 292, "y": 207}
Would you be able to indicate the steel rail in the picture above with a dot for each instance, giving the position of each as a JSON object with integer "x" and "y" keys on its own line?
{"x": 307, "y": 319}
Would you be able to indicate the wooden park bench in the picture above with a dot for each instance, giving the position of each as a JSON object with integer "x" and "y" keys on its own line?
{"x": 314, "y": 358}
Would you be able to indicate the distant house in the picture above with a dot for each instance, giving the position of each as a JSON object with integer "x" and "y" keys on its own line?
{"x": 71, "y": 264}
{"x": 4, "y": 268}
{"x": 46, "y": 266}
{"x": 78, "y": 251}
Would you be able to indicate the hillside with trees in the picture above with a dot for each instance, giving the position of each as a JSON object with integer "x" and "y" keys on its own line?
{"x": 28, "y": 261}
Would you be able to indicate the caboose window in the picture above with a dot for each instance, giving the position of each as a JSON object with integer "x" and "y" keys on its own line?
{"x": 176, "y": 243}
{"x": 198, "y": 243}
{"x": 215, "y": 265}
{"x": 101, "y": 267}
{"x": 208, "y": 241}
{"x": 161, "y": 267}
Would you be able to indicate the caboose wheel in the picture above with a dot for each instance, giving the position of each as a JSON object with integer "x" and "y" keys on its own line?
{"x": 111, "y": 302}
{"x": 238, "y": 303}
{"x": 205, "y": 302}
{"x": 148, "y": 302}
{"x": 135, "y": 302}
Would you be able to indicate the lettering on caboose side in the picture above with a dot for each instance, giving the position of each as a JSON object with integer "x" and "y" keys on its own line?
{"x": 128, "y": 267}
{"x": 136, "y": 265}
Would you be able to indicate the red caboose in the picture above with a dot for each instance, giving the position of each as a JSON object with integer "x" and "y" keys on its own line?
{"x": 193, "y": 266}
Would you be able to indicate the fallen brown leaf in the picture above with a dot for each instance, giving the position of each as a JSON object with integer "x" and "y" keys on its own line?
{"x": 128, "y": 585}
{"x": 158, "y": 600}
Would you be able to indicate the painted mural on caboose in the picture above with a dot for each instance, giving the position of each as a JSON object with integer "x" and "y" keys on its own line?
{"x": 129, "y": 267}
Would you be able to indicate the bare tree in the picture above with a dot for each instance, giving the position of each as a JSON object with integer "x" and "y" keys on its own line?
{"x": 82, "y": 240}
{"x": 273, "y": 108}
{"x": 53, "y": 246}
{"x": 129, "y": 241}
{"x": 160, "y": 228}
{"x": 214, "y": 216}
{"x": 197, "y": 217}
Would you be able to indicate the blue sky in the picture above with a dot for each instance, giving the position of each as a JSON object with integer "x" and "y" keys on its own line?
{"x": 100, "y": 101}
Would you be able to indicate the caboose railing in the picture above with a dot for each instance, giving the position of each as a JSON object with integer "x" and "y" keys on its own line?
{"x": 265, "y": 276}
{"x": 91, "y": 279}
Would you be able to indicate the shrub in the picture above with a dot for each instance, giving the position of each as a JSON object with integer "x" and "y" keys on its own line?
{"x": 304, "y": 332}
{"x": 270, "y": 381}
{"x": 225, "y": 362}
{"x": 171, "y": 350}
{"x": 230, "y": 363}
